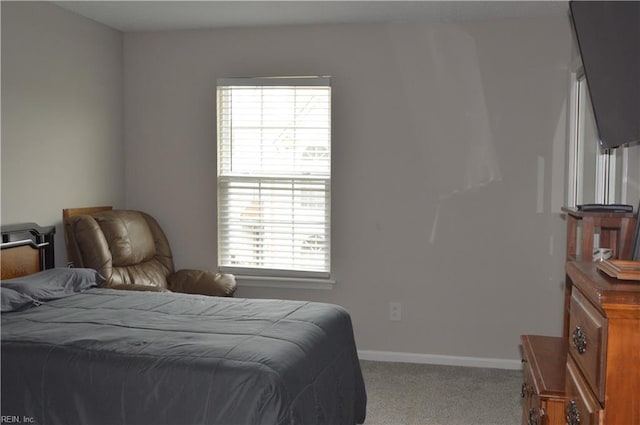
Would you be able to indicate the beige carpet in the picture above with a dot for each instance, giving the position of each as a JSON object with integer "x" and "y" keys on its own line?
{"x": 410, "y": 394}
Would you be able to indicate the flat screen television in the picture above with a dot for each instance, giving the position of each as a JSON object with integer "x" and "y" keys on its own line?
{"x": 608, "y": 34}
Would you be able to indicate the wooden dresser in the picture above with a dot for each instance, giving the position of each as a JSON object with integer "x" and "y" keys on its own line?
{"x": 603, "y": 363}
{"x": 591, "y": 374}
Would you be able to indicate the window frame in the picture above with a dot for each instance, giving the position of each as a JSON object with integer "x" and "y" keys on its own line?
{"x": 275, "y": 277}
{"x": 610, "y": 164}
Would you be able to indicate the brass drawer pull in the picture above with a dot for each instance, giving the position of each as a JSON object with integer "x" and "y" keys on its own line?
{"x": 579, "y": 339}
{"x": 573, "y": 414}
{"x": 527, "y": 390}
{"x": 533, "y": 417}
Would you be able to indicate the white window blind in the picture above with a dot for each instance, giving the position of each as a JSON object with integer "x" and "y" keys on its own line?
{"x": 274, "y": 176}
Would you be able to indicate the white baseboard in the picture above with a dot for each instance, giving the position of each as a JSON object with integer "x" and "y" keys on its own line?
{"x": 390, "y": 356}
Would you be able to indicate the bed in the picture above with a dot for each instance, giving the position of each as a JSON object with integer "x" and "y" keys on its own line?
{"x": 76, "y": 353}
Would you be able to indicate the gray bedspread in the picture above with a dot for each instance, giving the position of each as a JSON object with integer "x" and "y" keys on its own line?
{"x": 122, "y": 357}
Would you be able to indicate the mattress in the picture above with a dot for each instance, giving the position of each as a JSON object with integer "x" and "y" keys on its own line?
{"x": 123, "y": 357}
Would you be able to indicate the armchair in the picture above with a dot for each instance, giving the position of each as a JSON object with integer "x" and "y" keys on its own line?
{"x": 130, "y": 250}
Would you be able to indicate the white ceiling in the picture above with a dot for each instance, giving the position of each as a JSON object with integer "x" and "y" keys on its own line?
{"x": 174, "y": 15}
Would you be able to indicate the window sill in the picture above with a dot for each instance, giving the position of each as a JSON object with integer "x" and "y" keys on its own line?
{"x": 284, "y": 282}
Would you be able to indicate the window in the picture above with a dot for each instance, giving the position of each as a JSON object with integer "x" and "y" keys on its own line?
{"x": 595, "y": 175}
{"x": 274, "y": 176}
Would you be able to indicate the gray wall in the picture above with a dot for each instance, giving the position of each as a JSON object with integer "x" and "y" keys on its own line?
{"x": 443, "y": 144}
{"x": 62, "y": 143}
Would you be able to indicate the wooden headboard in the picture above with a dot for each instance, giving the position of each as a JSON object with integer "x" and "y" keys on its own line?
{"x": 71, "y": 212}
{"x": 26, "y": 248}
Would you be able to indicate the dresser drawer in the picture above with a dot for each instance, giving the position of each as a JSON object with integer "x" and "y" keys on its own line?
{"x": 531, "y": 408}
{"x": 582, "y": 407}
{"x": 588, "y": 341}
{"x": 544, "y": 361}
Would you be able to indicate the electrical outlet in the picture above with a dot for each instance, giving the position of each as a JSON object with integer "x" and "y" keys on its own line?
{"x": 395, "y": 311}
